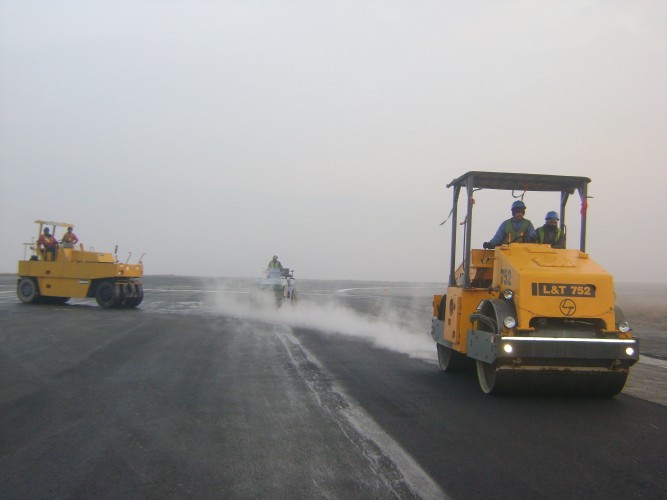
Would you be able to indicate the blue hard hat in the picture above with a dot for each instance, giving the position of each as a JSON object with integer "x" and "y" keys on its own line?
{"x": 518, "y": 204}
{"x": 552, "y": 215}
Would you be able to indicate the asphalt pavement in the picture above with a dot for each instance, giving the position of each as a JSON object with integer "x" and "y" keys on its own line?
{"x": 199, "y": 394}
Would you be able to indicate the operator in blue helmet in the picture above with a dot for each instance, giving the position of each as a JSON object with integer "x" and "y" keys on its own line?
{"x": 550, "y": 233}
{"x": 514, "y": 230}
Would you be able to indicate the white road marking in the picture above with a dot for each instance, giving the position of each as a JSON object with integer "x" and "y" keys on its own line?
{"x": 356, "y": 417}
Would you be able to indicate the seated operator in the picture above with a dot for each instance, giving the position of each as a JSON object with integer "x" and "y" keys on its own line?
{"x": 550, "y": 232}
{"x": 514, "y": 230}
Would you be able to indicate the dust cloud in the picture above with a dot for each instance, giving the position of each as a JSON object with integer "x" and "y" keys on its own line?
{"x": 398, "y": 318}
{"x": 644, "y": 305}
{"x": 645, "y": 313}
{"x": 385, "y": 326}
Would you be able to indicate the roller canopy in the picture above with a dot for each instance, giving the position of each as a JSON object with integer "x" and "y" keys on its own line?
{"x": 52, "y": 223}
{"x": 521, "y": 182}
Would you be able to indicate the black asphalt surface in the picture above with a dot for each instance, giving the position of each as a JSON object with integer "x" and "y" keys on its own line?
{"x": 182, "y": 399}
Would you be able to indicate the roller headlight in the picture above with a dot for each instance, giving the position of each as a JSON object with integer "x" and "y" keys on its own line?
{"x": 629, "y": 351}
{"x": 623, "y": 326}
{"x": 507, "y": 348}
{"x": 509, "y": 322}
{"x": 507, "y": 294}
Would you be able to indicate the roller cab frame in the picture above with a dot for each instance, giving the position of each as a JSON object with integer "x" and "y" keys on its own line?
{"x": 530, "y": 317}
{"x": 77, "y": 273}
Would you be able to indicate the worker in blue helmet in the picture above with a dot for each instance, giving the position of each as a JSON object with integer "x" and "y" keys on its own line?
{"x": 515, "y": 230}
{"x": 550, "y": 233}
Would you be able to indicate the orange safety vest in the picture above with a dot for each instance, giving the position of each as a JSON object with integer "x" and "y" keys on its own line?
{"x": 48, "y": 241}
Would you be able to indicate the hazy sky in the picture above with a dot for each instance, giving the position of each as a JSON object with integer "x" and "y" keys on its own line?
{"x": 213, "y": 134}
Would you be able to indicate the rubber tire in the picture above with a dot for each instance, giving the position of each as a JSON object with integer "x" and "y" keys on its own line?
{"x": 27, "y": 290}
{"x": 105, "y": 294}
{"x": 134, "y": 301}
{"x": 450, "y": 361}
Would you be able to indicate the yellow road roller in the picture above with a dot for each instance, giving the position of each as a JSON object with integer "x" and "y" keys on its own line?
{"x": 530, "y": 317}
{"x": 55, "y": 272}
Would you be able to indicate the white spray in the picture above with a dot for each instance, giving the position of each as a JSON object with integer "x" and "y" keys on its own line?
{"x": 389, "y": 330}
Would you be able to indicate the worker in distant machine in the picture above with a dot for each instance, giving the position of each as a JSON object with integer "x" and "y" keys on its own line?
{"x": 47, "y": 245}
{"x": 514, "y": 230}
{"x": 274, "y": 263}
{"x": 69, "y": 238}
{"x": 550, "y": 233}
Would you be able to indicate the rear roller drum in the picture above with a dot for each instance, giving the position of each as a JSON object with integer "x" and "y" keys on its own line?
{"x": 450, "y": 360}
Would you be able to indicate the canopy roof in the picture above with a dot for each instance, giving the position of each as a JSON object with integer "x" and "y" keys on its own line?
{"x": 521, "y": 182}
{"x": 52, "y": 223}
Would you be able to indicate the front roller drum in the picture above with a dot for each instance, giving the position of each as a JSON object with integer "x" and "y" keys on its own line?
{"x": 498, "y": 380}
{"x": 503, "y": 377}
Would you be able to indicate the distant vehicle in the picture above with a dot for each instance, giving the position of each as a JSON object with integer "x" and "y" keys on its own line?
{"x": 280, "y": 283}
{"x": 77, "y": 273}
{"x": 531, "y": 317}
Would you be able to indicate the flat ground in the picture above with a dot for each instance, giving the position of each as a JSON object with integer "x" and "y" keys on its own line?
{"x": 202, "y": 393}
